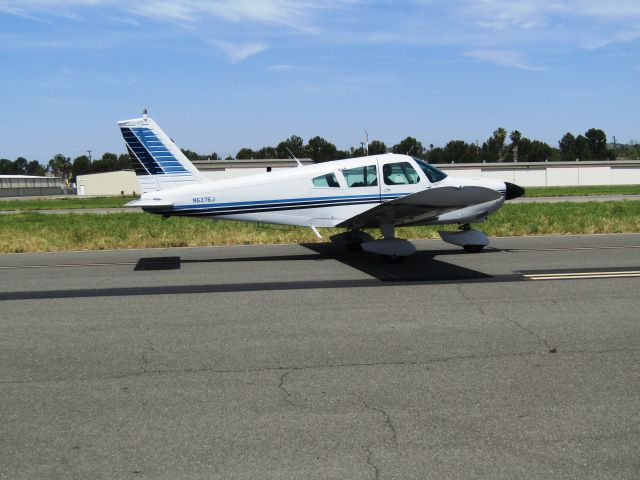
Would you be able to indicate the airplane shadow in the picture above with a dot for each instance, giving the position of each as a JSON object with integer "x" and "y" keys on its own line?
{"x": 420, "y": 267}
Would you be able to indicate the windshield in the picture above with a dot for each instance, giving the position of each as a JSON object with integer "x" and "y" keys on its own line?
{"x": 433, "y": 174}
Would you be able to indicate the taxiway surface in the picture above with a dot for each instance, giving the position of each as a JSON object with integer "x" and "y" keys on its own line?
{"x": 301, "y": 361}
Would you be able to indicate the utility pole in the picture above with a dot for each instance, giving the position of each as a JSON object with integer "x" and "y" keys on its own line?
{"x": 614, "y": 148}
{"x": 89, "y": 155}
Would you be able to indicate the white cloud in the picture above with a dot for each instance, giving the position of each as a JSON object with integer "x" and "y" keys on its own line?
{"x": 237, "y": 52}
{"x": 291, "y": 13}
{"x": 503, "y": 58}
{"x": 510, "y": 33}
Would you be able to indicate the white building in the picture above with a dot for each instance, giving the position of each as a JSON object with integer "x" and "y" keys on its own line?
{"x": 125, "y": 182}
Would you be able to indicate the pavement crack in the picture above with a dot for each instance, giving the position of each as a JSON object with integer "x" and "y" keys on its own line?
{"x": 540, "y": 338}
{"x": 290, "y": 369}
{"x": 548, "y": 347}
{"x": 464, "y": 295}
{"x": 145, "y": 361}
{"x": 371, "y": 463}
{"x": 387, "y": 420}
{"x": 287, "y": 393}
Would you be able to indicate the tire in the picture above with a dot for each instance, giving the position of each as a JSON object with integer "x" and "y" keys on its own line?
{"x": 473, "y": 248}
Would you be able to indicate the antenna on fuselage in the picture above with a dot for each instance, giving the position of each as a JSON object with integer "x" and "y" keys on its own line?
{"x": 294, "y": 157}
{"x": 366, "y": 142}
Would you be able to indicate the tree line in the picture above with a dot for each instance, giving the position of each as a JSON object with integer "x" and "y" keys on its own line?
{"x": 500, "y": 147}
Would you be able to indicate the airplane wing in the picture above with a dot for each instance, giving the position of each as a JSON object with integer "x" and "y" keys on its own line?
{"x": 421, "y": 206}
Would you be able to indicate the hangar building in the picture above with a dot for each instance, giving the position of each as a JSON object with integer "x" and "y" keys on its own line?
{"x": 27, "y": 186}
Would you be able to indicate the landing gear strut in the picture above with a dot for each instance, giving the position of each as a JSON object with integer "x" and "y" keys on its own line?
{"x": 352, "y": 239}
{"x": 470, "y": 248}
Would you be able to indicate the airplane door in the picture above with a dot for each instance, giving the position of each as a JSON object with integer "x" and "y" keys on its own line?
{"x": 399, "y": 178}
{"x": 363, "y": 182}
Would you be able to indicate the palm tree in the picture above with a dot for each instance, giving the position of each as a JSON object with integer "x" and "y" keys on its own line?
{"x": 515, "y": 140}
{"x": 499, "y": 136}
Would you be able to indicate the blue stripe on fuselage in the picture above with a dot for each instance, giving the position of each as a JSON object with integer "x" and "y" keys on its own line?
{"x": 297, "y": 201}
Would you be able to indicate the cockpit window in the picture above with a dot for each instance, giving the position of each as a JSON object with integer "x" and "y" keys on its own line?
{"x": 361, "y": 176}
{"x": 401, "y": 173}
{"x": 328, "y": 180}
{"x": 433, "y": 174}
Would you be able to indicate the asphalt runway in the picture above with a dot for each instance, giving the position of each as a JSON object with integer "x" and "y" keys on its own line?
{"x": 303, "y": 361}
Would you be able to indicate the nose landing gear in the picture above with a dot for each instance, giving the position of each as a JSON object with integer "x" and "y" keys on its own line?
{"x": 473, "y": 241}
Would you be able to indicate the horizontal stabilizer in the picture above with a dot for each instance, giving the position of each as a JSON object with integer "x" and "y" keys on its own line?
{"x": 148, "y": 204}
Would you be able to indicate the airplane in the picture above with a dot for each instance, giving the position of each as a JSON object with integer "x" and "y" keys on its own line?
{"x": 378, "y": 191}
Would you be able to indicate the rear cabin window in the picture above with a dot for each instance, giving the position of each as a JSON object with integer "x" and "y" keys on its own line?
{"x": 361, "y": 176}
{"x": 328, "y": 181}
{"x": 401, "y": 173}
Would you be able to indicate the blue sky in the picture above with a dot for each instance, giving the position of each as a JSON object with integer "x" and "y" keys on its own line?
{"x": 219, "y": 75}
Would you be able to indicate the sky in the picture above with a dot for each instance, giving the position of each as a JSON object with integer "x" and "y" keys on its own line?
{"x": 219, "y": 75}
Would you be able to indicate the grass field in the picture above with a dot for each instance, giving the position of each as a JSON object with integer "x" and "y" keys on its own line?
{"x": 34, "y": 232}
{"x": 580, "y": 191}
{"x": 64, "y": 203}
{"x": 115, "y": 202}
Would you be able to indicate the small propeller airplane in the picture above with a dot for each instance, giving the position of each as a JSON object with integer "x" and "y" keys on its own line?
{"x": 378, "y": 191}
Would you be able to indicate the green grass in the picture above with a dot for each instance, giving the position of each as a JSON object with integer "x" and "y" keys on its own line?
{"x": 64, "y": 203}
{"x": 34, "y": 232}
{"x": 579, "y": 191}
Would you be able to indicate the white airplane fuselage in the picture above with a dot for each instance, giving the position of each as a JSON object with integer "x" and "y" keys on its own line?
{"x": 290, "y": 196}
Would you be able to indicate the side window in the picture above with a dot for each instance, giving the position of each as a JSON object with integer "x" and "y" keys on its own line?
{"x": 361, "y": 176}
{"x": 328, "y": 180}
{"x": 401, "y": 173}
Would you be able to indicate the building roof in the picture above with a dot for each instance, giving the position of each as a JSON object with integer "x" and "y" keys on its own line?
{"x": 253, "y": 163}
{"x": 25, "y": 176}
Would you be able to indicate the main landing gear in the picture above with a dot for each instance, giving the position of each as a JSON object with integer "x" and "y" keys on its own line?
{"x": 394, "y": 250}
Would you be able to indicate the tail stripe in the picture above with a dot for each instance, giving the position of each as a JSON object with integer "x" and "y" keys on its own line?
{"x": 158, "y": 162}
{"x": 150, "y": 153}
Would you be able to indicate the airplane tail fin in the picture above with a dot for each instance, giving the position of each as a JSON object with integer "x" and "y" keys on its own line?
{"x": 158, "y": 162}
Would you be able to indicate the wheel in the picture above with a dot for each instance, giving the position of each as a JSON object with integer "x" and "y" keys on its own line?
{"x": 392, "y": 259}
{"x": 473, "y": 248}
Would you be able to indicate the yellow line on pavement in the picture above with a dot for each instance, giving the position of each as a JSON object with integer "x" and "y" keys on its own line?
{"x": 583, "y": 275}
{"x": 65, "y": 265}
